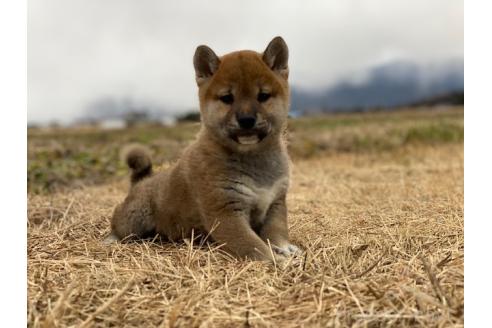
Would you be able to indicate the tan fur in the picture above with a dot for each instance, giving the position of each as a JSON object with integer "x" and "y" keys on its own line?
{"x": 236, "y": 192}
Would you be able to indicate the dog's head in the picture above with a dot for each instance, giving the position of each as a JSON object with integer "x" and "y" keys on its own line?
{"x": 244, "y": 95}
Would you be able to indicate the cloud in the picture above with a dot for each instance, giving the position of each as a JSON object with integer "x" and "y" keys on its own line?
{"x": 80, "y": 50}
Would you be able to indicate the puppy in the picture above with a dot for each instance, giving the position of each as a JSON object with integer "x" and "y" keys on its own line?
{"x": 232, "y": 181}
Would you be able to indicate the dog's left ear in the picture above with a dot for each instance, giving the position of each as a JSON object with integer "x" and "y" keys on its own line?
{"x": 276, "y": 56}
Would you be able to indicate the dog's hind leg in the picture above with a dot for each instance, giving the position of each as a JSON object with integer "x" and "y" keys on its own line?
{"x": 133, "y": 218}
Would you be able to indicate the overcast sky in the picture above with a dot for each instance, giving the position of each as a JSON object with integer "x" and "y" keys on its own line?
{"x": 81, "y": 50}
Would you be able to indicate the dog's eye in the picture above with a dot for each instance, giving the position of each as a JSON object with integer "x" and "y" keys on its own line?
{"x": 227, "y": 99}
{"x": 263, "y": 96}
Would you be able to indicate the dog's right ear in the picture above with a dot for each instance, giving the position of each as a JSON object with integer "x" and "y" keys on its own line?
{"x": 206, "y": 63}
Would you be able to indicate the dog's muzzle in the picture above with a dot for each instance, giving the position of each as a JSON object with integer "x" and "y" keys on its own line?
{"x": 249, "y": 136}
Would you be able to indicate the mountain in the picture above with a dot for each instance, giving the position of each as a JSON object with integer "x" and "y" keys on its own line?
{"x": 385, "y": 86}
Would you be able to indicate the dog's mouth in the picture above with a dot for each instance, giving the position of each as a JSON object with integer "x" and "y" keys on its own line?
{"x": 248, "y": 137}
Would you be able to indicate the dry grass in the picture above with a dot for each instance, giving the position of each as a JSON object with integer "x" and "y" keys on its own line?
{"x": 383, "y": 234}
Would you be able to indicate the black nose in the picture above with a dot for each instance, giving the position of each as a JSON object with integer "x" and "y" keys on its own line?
{"x": 246, "y": 122}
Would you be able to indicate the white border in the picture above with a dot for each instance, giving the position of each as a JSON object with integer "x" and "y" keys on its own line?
{"x": 13, "y": 108}
{"x": 478, "y": 163}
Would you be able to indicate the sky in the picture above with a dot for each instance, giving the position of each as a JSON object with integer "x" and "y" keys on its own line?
{"x": 83, "y": 50}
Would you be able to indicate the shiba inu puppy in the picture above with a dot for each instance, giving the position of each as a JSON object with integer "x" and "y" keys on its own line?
{"x": 231, "y": 182}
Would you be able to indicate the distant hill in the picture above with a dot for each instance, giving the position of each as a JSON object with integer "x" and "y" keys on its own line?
{"x": 449, "y": 98}
{"x": 390, "y": 85}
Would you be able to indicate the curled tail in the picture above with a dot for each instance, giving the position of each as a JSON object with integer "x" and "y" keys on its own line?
{"x": 138, "y": 160}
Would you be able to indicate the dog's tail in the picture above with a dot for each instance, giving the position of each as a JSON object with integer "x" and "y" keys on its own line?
{"x": 138, "y": 159}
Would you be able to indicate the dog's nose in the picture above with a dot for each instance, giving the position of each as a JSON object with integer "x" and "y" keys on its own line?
{"x": 246, "y": 122}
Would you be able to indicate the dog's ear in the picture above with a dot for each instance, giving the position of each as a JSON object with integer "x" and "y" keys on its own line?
{"x": 206, "y": 63}
{"x": 276, "y": 56}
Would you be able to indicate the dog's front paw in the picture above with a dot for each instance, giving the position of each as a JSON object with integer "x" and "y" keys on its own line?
{"x": 287, "y": 250}
{"x": 110, "y": 239}
{"x": 293, "y": 249}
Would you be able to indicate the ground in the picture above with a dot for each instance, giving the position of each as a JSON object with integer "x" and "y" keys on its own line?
{"x": 380, "y": 221}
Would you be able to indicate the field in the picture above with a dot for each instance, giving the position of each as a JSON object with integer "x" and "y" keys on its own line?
{"x": 376, "y": 203}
